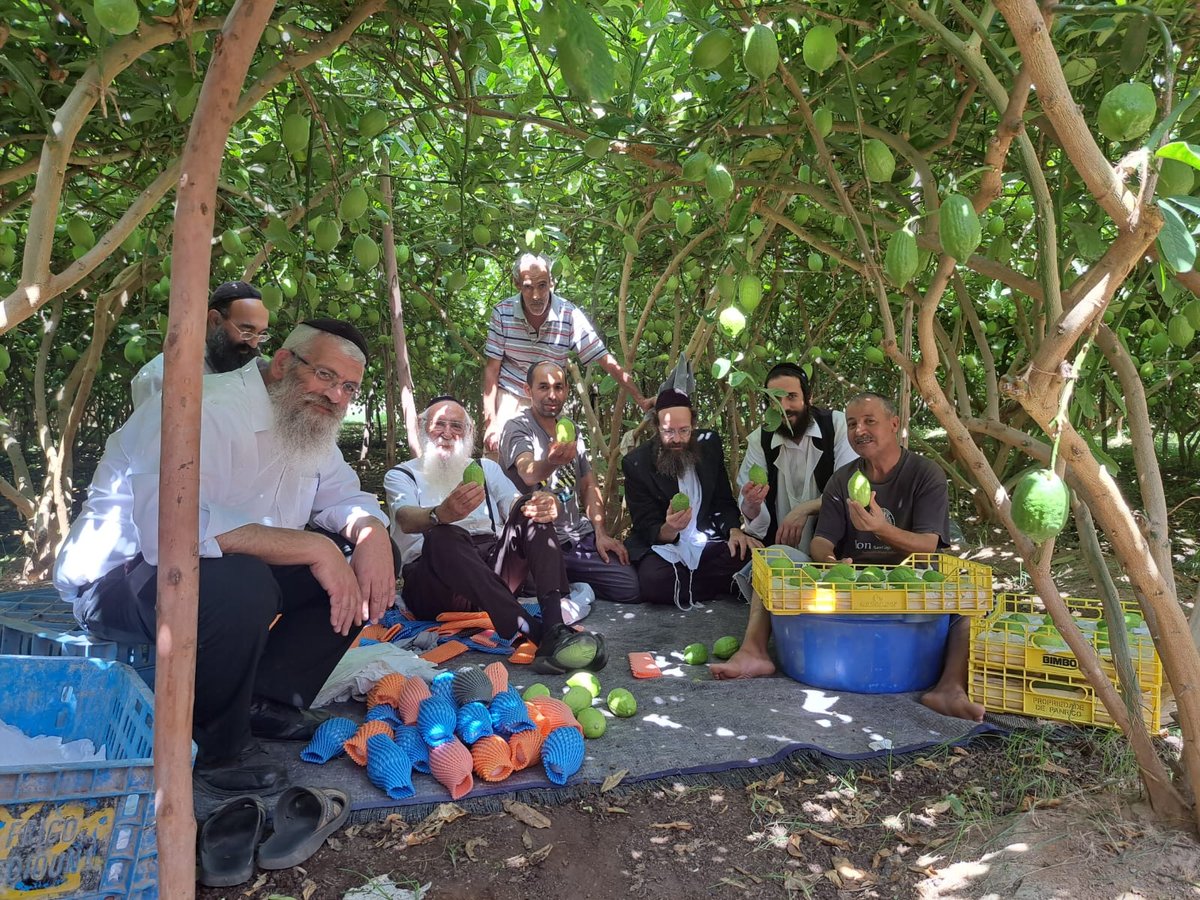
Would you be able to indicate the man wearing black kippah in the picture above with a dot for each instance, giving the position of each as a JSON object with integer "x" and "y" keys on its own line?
{"x": 236, "y": 333}
{"x": 685, "y": 553}
{"x": 294, "y": 556}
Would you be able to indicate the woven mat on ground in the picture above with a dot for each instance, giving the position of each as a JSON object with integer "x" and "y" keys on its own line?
{"x": 687, "y": 723}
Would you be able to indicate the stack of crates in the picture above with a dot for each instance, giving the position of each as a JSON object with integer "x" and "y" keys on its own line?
{"x": 78, "y": 830}
{"x": 1018, "y": 665}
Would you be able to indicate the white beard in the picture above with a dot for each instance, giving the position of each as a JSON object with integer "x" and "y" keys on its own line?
{"x": 304, "y": 437}
{"x": 443, "y": 469}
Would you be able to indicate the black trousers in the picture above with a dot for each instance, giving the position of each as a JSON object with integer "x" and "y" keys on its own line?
{"x": 658, "y": 578}
{"x": 238, "y": 654}
{"x": 460, "y": 572}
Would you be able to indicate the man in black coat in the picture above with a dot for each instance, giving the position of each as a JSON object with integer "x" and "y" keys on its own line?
{"x": 689, "y": 555}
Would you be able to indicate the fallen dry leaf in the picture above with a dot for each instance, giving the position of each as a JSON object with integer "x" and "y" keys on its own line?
{"x": 526, "y": 814}
{"x": 678, "y": 826}
{"x": 538, "y": 855}
{"x": 1029, "y": 802}
{"x": 615, "y": 809}
{"x": 960, "y": 751}
{"x": 825, "y": 838}
{"x": 832, "y": 875}
{"x": 613, "y": 780}
{"x": 431, "y": 826}
{"x": 472, "y": 845}
{"x": 1054, "y": 768}
{"x": 733, "y": 882}
{"x": 851, "y": 874}
{"x": 526, "y": 839}
{"x": 307, "y": 889}
{"x": 793, "y": 846}
{"x": 775, "y": 781}
{"x": 880, "y": 855}
{"x": 257, "y": 886}
{"x": 525, "y": 860}
{"x": 749, "y": 875}
{"x": 333, "y": 844}
{"x": 928, "y": 764}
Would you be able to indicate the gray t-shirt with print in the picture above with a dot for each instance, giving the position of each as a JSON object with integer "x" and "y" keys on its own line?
{"x": 522, "y": 434}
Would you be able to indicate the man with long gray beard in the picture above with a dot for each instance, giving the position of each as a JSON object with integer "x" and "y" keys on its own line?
{"x": 469, "y": 546}
{"x": 690, "y": 554}
{"x": 285, "y": 533}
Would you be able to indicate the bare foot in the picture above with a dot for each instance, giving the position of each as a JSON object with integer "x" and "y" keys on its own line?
{"x": 744, "y": 664}
{"x": 952, "y": 701}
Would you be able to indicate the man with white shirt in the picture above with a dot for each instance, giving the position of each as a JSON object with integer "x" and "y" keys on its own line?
{"x": 688, "y": 555}
{"x": 269, "y": 467}
{"x": 469, "y": 546}
{"x": 236, "y": 333}
{"x": 809, "y": 445}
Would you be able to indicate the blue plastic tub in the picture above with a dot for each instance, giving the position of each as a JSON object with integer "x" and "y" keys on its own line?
{"x": 79, "y": 830}
{"x": 860, "y": 653}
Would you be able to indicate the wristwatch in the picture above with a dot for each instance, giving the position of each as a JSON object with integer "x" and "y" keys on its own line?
{"x": 433, "y": 517}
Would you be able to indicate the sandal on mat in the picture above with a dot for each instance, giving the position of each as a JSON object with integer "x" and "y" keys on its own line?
{"x": 228, "y": 838}
{"x": 304, "y": 817}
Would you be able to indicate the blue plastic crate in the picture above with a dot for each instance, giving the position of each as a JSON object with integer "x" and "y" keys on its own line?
{"x": 40, "y": 623}
{"x": 79, "y": 830}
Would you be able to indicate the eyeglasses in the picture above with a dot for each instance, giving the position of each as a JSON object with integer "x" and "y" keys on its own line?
{"x": 451, "y": 425}
{"x": 684, "y": 433}
{"x": 250, "y": 336}
{"x": 329, "y": 378}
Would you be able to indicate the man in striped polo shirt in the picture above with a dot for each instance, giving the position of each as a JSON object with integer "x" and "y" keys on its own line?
{"x": 537, "y": 324}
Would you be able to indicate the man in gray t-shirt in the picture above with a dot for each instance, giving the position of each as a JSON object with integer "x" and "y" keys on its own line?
{"x": 534, "y": 460}
{"x": 908, "y": 513}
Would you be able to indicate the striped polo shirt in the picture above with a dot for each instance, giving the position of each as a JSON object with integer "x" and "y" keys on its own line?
{"x": 513, "y": 341}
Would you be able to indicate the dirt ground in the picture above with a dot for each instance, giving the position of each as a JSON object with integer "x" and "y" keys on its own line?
{"x": 1015, "y": 817}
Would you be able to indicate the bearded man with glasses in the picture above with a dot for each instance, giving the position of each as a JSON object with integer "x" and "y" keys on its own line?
{"x": 688, "y": 555}
{"x": 236, "y": 333}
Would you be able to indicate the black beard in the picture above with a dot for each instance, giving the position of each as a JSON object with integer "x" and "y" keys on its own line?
{"x": 797, "y": 430}
{"x": 675, "y": 463}
{"x": 224, "y": 355}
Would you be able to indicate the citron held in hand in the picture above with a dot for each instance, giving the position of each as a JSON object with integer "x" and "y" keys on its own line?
{"x": 679, "y": 502}
{"x": 473, "y": 474}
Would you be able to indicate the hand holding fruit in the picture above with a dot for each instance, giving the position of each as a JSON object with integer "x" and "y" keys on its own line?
{"x": 753, "y": 496}
{"x": 460, "y": 502}
{"x": 541, "y": 507}
{"x": 561, "y": 453}
{"x": 677, "y": 521}
{"x": 867, "y": 518}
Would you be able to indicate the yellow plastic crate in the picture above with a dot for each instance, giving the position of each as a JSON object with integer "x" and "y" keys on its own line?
{"x": 786, "y": 589}
{"x": 1009, "y": 674}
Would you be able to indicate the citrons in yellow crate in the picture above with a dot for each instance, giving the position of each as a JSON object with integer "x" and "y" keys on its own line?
{"x": 1020, "y": 663}
{"x": 923, "y": 583}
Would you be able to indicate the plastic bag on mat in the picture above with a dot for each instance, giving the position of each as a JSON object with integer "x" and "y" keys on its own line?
{"x": 361, "y": 667}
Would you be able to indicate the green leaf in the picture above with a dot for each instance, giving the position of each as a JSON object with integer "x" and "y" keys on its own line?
{"x": 1191, "y": 204}
{"x": 721, "y": 368}
{"x": 737, "y": 379}
{"x": 772, "y": 419}
{"x": 583, "y": 54}
{"x": 1181, "y": 151}
{"x": 1175, "y": 242}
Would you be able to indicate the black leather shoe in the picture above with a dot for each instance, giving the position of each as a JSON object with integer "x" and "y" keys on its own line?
{"x": 563, "y": 650}
{"x": 250, "y": 771}
{"x": 277, "y": 721}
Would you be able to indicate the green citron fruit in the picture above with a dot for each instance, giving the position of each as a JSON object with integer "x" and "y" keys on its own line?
{"x": 1175, "y": 179}
{"x": 781, "y": 563}
{"x": 595, "y": 147}
{"x": 712, "y": 49}
{"x": 902, "y": 575}
{"x": 680, "y": 501}
{"x": 372, "y": 123}
{"x": 823, "y": 119}
{"x": 327, "y": 234}
{"x": 932, "y": 576}
{"x": 683, "y": 223}
{"x": 592, "y": 722}
{"x": 901, "y": 261}
{"x": 135, "y": 352}
{"x": 117, "y": 16}
{"x": 726, "y": 286}
{"x": 750, "y": 292}
{"x": 402, "y": 253}
{"x": 816, "y": 262}
{"x": 345, "y": 282}
{"x": 695, "y": 654}
{"x": 1180, "y": 331}
{"x": 473, "y": 473}
{"x": 1023, "y": 209}
{"x": 758, "y": 475}
{"x": 874, "y": 356}
{"x": 272, "y": 297}
{"x": 719, "y": 183}
{"x": 1192, "y": 311}
{"x": 295, "y": 133}
{"x": 1047, "y": 637}
{"x": 725, "y": 647}
{"x": 879, "y": 163}
{"x": 354, "y": 203}
{"x": 1127, "y": 111}
{"x": 231, "y": 243}
{"x": 536, "y": 689}
{"x": 366, "y": 252}
{"x": 696, "y": 166}
{"x": 621, "y": 703}
{"x": 564, "y": 431}
{"x": 81, "y": 232}
{"x": 630, "y": 244}
{"x": 859, "y": 489}
{"x": 577, "y": 698}
{"x": 959, "y": 227}
{"x": 662, "y": 209}
{"x": 760, "y": 52}
{"x": 481, "y": 235}
{"x": 456, "y": 281}
{"x": 1040, "y": 505}
{"x": 586, "y": 680}
{"x": 733, "y": 321}
{"x": 820, "y": 48}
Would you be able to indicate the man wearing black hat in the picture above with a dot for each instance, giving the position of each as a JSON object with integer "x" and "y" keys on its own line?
{"x": 285, "y": 533}
{"x": 689, "y": 554}
{"x": 237, "y": 332}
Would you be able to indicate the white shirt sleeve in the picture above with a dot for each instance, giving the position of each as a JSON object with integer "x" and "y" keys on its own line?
{"x": 756, "y": 527}
{"x": 147, "y": 382}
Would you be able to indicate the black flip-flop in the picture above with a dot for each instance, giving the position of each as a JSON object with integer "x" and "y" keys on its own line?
{"x": 227, "y": 841}
{"x": 304, "y": 817}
